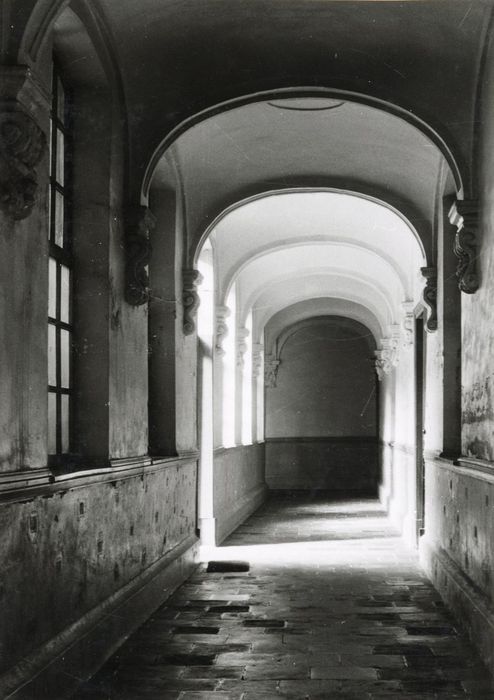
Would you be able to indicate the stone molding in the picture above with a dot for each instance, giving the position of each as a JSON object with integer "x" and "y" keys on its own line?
{"x": 271, "y": 366}
{"x": 464, "y": 214}
{"x": 222, "y": 313}
{"x": 191, "y": 278}
{"x": 139, "y": 225}
{"x": 430, "y": 297}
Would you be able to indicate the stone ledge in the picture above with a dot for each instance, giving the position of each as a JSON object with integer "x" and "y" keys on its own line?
{"x": 85, "y": 645}
{"x": 17, "y": 486}
{"x": 466, "y": 466}
{"x": 462, "y": 597}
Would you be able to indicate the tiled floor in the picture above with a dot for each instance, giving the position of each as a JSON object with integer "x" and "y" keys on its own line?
{"x": 333, "y": 606}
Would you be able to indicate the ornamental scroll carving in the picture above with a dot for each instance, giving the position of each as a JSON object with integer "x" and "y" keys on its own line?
{"x": 430, "y": 297}
{"x": 464, "y": 215}
{"x": 22, "y": 146}
{"x": 190, "y": 299}
{"x": 140, "y": 223}
{"x": 387, "y": 356}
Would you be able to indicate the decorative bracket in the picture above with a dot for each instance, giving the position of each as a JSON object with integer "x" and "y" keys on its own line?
{"x": 22, "y": 146}
{"x": 430, "y": 297}
{"x": 257, "y": 350}
{"x": 387, "y": 355}
{"x": 464, "y": 214}
{"x": 190, "y": 299}
{"x": 140, "y": 223}
{"x": 242, "y": 335}
{"x": 271, "y": 366}
{"x": 222, "y": 313}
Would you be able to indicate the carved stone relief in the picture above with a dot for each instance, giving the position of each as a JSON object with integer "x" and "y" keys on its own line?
{"x": 387, "y": 356}
{"x": 190, "y": 299}
{"x": 140, "y": 222}
{"x": 22, "y": 146}
{"x": 464, "y": 215}
{"x": 430, "y": 297}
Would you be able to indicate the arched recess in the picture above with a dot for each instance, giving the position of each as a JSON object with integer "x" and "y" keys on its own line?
{"x": 326, "y": 435}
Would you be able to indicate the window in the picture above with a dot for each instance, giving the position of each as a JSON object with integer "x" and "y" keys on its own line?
{"x": 59, "y": 281}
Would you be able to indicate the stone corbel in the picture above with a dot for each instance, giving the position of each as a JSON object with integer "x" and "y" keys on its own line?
{"x": 242, "y": 335}
{"x": 140, "y": 222}
{"x": 271, "y": 366}
{"x": 430, "y": 297}
{"x": 22, "y": 147}
{"x": 408, "y": 322}
{"x": 257, "y": 351}
{"x": 190, "y": 299}
{"x": 464, "y": 214}
{"x": 222, "y": 313}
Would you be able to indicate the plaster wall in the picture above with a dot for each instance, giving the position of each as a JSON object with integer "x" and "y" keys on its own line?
{"x": 239, "y": 486}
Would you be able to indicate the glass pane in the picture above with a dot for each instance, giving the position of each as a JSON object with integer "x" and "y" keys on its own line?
{"x": 65, "y": 423}
{"x": 52, "y": 288}
{"x": 52, "y": 357}
{"x": 64, "y": 294}
{"x": 60, "y": 101}
{"x": 52, "y": 423}
{"x": 60, "y": 157}
{"x": 59, "y": 214}
{"x": 65, "y": 358}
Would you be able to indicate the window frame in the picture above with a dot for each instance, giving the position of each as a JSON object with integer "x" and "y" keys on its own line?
{"x": 63, "y": 258}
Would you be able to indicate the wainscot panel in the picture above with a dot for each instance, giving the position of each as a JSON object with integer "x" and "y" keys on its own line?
{"x": 105, "y": 548}
{"x": 240, "y": 487}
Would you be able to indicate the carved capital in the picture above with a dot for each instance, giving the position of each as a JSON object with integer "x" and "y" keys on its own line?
{"x": 190, "y": 299}
{"x": 22, "y": 146}
{"x": 222, "y": 313}
{"x": 430, "y": 297}
{"x": 271, "y": 366}
{"x": 242, "y": 335}
{"x": 139, "y": 224}
{"x": 464, "y": 214}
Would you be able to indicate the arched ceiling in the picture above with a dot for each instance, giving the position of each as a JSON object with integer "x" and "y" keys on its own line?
{"x": 181, "y": 57}
{"x": 302, "y": 218}
{"x": 321, "y": 249}
{"x": 283, "y": 143}
{"x": 312, "y": 308}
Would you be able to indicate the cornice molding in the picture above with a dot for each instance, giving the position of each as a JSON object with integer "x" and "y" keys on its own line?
{"x": 464, "y": 214}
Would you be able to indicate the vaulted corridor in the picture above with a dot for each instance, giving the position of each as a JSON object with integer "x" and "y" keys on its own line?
{"x": 333, "y": 606}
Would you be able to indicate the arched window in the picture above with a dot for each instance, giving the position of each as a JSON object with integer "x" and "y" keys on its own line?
{"x": 60, "y": 278}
